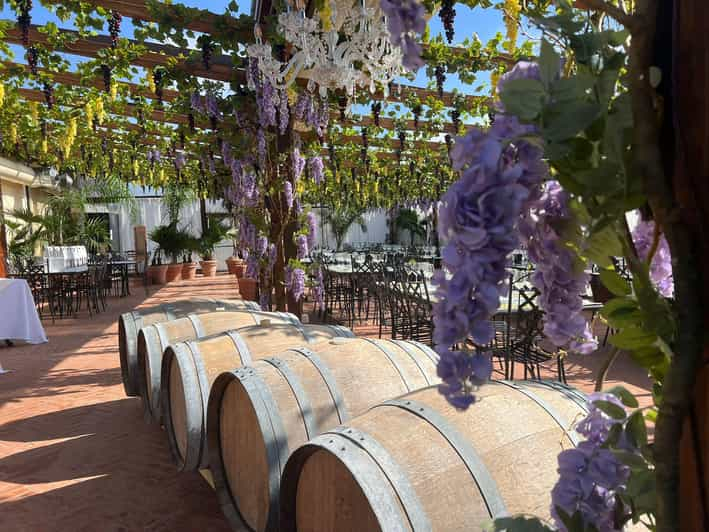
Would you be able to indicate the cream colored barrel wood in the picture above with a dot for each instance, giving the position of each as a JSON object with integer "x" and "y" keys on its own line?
{"x": 154, "y": 339}
{"x": 198, "y": 363}
{"x": 130, "y": 323}
{"x": 415, "y": 463}
{"x": 258, "y": 414}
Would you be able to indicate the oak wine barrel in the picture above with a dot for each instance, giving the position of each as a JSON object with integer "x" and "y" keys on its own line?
{"x": 154, "y": 339}
{"x": 190, "y": 368}
{"x": 129, "y": 323}
{"x": 258, "y": 414}
{"x": 415, "y": 463}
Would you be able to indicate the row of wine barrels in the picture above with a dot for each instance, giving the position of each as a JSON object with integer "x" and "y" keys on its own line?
{"x": 129, "y": 323}
{"x": 154, "y": 339}
{"x": 415, "y": 463}
{"x": 190, "y": 368}
{"x": 258, "y": 414}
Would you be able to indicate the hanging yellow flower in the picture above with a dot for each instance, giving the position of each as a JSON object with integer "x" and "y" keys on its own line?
{"x": 376, "y": 188}
{"x": 161, "y": 176}
{"x": 114, "y": 91}
{"x": 512, "y": 10}
{"x": 2, "y": 94}
{"x": 494, "y": 79}
{"x": 325, "y": 16}
{"x": 151, "y": 82}
{"x": 100, "y": 111}
{"x": 45, "y": 146}
{"x": 89, "y": 110}
{"x": 13, "y": 133}
{"x": 135, "y": 167}
{"x": 34, "y": 111}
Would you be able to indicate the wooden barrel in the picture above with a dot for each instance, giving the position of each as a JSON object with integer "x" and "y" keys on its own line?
{"x": 154, "y": 339}
{"x": 189, "y": 369}
{"x": 129, "y": 323}
{"x": 258, "y": 414}
{"x": 415, "y": 463}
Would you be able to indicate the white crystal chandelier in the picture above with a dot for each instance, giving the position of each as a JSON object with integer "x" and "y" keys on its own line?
{"x": 355, "y": 51}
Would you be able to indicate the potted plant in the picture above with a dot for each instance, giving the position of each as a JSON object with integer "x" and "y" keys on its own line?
{"x": 235, "y": 264}
{"x": 211, "y": 236}
{"x": 171, "y": 241}
{"x": 248, "y": 288}
{"x": 157, "y": 271}
{"x": 189, "y": 267}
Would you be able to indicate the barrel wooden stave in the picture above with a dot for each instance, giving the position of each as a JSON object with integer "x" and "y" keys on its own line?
{"x": 130, "y": 323}
{"x": 362, "y": 371}
{"x": 154, "y": 339}
{"x": 516, "y": 436}
{"x": 212, "y": 356}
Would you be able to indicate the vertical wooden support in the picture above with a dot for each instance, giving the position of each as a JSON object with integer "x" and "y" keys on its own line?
{"x": 691, "y": 185}
{"x": 3, "y": 241}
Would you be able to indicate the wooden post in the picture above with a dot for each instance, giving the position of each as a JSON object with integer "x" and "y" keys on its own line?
{"x": 3, "y": 240}
{"x": 691, "y": 186}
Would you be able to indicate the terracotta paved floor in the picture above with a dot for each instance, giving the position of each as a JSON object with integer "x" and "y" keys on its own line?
{"x": 75, "y": 454}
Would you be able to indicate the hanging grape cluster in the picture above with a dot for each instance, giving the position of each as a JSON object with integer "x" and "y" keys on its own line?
{"x": 159, "y": 79}
{"x": 48, "y": 91}
{"x": 114, "y": 27}
{"x": 402, "y": 142}
{"x": 365, "y": 144}
{"x": 106, "y": 73}
{"x": 455, "y": 118}
{"x": 417, "y": 110}
{"x": 447, "y": 14}
{"x": 207, "y": 51}
{"x": 376, "y": 110}
{"x": 24, "y": 20}
{"x": 33, "y": 59}
{"x": 342, "y": 104}
{"x": 440, "y": 73}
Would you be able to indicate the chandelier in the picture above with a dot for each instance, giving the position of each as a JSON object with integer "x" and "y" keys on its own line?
{"x": 355, "y": 50}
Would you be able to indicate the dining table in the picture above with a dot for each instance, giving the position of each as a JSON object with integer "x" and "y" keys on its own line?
{"x": 19, "y": 320}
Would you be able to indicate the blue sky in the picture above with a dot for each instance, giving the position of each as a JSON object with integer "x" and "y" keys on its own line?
{"x": 483, "y": 22}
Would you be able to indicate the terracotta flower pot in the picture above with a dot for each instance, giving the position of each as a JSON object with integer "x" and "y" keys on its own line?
{"x": 174, "y": 272}
{"x": 209, "y": 268}
{"x": 247, "y": 288}
{"x": 232, "y": 263}
{"x": 189, "y": 270}
{"x": 239, "y": 270}
{"x": 158, "y": 273}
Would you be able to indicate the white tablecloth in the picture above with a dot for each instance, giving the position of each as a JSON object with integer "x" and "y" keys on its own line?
{"x": 18, "y": 315}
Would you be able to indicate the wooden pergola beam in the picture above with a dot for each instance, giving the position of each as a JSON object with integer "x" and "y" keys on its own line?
{"x": 222, "y": 66}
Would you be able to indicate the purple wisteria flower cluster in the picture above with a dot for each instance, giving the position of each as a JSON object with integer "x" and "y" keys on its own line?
{"x": 314, "y": 114}
{"x": 316, "y": 169}
{"x": 559, "y": 274}
{"x": 661, "y": 265}
{"x": 478, "y": 219}
{"x": 405, "y": 21}
{"x": 590, "y": 475}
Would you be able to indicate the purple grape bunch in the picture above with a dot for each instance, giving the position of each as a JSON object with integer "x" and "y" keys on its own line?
{"x": 33, "y": 59}
{"x": 440, "y": 73}
{"x": 48, "y": 91}
{"x": 106, "y": 74}
{"x": 114, "y": 27}
{"x": 447, "y": 14}
{"x": 24, "y": 20}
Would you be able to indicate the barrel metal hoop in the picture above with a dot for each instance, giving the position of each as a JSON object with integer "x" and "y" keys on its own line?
{"x": 369, "y": 476}
{"x": 572, "y": 393}
{"x": 197, "y": 325}
{"x": 479, "y": 472}
{"x": 306, "y": 335}
{"x": 169, "y": 311}
{"x": 273, "y": 432}
{"x": 394, "y": 473}
{"x": 565, "y": 426}
{"x": 301, "y": 397}
{"x": 138, "y": 318}
{"x": 392, "y": 358}
{"x": 241, "y": 346}
{"x": 329, "y": 379}
{"x": 404, "y": 346}
{"x": 200, "y": 421}
{"x": 341, "y": 331}
{"x": 425, "y": 349}
{"x": 162, "y": 336}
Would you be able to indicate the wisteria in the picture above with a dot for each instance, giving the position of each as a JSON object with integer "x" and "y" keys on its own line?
{"x": 661, "y": 265}
{"x": 297, "y": 285}
{"x": 316, "y": 169}
{"x": 478, "y": 220}
{"x": 298, "y": 162}
{"x": 559, "y": 274}
{"x": 318, "y": 287}
{"x": 288, "y": 194}
{"x": 265, "y": 98}
{"x": 180, "y": 160}
{"x": 312, "y": 230}
{"x": 301, "y": 242}
{"x": 405, "y": 20}
{"x": 590, "y": 475}
{"x": 283, "y": 112}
